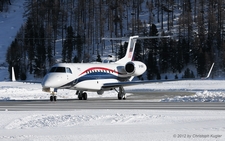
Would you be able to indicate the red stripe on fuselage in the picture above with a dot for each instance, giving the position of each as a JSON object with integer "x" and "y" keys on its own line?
{"x": 99, "y": 68}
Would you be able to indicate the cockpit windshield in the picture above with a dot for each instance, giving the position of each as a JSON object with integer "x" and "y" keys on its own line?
{"x": 60, "y": 70}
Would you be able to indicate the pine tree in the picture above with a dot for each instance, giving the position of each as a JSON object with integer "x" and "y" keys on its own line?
{"x": 79, "y": 41}
{"x": 179, "y": 57}
{"x": 13, "y": 58}
{"x": 188, "y": 74}
{"x": 29, "y": 42}
{"x": 75, "y": 59}
{"x": 152, "y": 68}
{"x": 122, "y": 50}
{"x": 137, "y": 52}
{"x": 40, "y": 51}
{"x": 185, "y": 49}
{"x": 164, "y": 56}
{"x": 99, "y": 58}
{"x": 68, "y": 45}
{"x": 49, "y": 53}
{"x": 4, "y": 5}
{"x": 201, "y": 64}
{"x": 90, "y": 19}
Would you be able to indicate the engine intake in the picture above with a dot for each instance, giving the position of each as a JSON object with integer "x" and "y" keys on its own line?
{"x": 132, "y": 68}
{"x": 129, "y": 67}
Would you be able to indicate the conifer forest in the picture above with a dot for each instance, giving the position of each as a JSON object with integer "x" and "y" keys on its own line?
{"x": 72, "y": 31}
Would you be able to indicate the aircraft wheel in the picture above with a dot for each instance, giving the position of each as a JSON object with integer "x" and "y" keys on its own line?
{"x": 51, "y": 98}
{"x": 120, "y": 96}
{"x": 80, "y": 96}
{"x": 55, "y": 98}
{"x": 84, "y": 95}
{"x": 121, "y": 93}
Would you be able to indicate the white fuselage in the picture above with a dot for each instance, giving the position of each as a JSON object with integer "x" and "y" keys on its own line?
{"x": 95, "y": 76}
{"x": 90, "y": 76}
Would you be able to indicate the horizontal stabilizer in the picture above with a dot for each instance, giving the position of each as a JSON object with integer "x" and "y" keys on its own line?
{"x": 136, "y": 37}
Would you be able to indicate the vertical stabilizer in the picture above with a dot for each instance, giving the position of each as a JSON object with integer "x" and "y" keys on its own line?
{"x": 13, "y": 75}
{"x": 130, "y": 50}
{"x": 131, "y": 46}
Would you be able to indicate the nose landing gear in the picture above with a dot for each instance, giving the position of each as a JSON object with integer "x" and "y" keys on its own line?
{"x": 53, "y": 96}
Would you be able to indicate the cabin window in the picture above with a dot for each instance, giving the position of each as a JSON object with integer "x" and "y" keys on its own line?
{"x": 61, "y": 70}
{"x": 53, "y": 69}
{"x": 68, "y": 70}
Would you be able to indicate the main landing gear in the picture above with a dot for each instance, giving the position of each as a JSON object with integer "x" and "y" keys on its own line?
{"x": 81, "y": 95}
{"x": 121, "y": 93}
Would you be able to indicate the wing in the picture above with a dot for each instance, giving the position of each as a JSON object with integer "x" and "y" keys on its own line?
{"x": 30, "y": 81}
{"x": 130, "y": 83}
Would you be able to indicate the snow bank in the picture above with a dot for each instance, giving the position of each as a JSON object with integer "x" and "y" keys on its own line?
{"x": 205, "y": 91}
{"x": 202, "y": 96}
{"x": 182, "y": 85}
{"x": 110, "y": 125}
{"x": 68, "y": 120}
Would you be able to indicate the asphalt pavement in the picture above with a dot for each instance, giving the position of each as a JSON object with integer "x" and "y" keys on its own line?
{"x": 135, "y": 101}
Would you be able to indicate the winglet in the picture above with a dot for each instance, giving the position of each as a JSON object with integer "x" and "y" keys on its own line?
{"x": 209, "y": 72}
{"x": 13, "y": 75}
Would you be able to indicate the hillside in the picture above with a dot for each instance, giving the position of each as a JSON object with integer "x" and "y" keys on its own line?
{"x": 10, "y": 23}
{"x": 71, "y": 31}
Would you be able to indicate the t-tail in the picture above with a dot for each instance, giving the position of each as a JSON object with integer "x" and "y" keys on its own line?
{"x": 131, "y": 46}
{"x": 130, "y": 50}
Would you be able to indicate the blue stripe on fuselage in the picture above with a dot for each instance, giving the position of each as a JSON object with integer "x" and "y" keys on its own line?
{"x": 93, "y": 76}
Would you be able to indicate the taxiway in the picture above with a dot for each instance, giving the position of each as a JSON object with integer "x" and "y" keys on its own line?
{"x": 135, "y": 101}
{"x": 106, "y": 104}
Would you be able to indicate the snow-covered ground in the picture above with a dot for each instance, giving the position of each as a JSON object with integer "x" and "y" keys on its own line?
{"x": 205, "y": 91}
{"x": 107, "y": 125}
{"x": 110, "y": 125}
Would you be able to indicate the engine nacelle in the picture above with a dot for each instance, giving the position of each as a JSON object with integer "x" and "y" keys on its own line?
{"x": 134, "y": 68}
{"x": 130, "y": 68}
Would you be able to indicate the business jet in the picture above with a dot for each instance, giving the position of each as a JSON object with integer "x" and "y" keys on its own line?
{"x": 96, "y": 77}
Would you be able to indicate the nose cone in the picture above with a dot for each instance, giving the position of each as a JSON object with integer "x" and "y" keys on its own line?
{"x": 46, "y": 83}
{"x": 51, "y": 81}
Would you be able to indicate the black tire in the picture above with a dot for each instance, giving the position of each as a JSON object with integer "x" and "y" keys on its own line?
{"x": 55, "y": 98}
{"x": 119, "y": 96}
{"x": 80, "y": 97}
{"x": 84, "y": 95}
{"x": 51, "y": 98}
